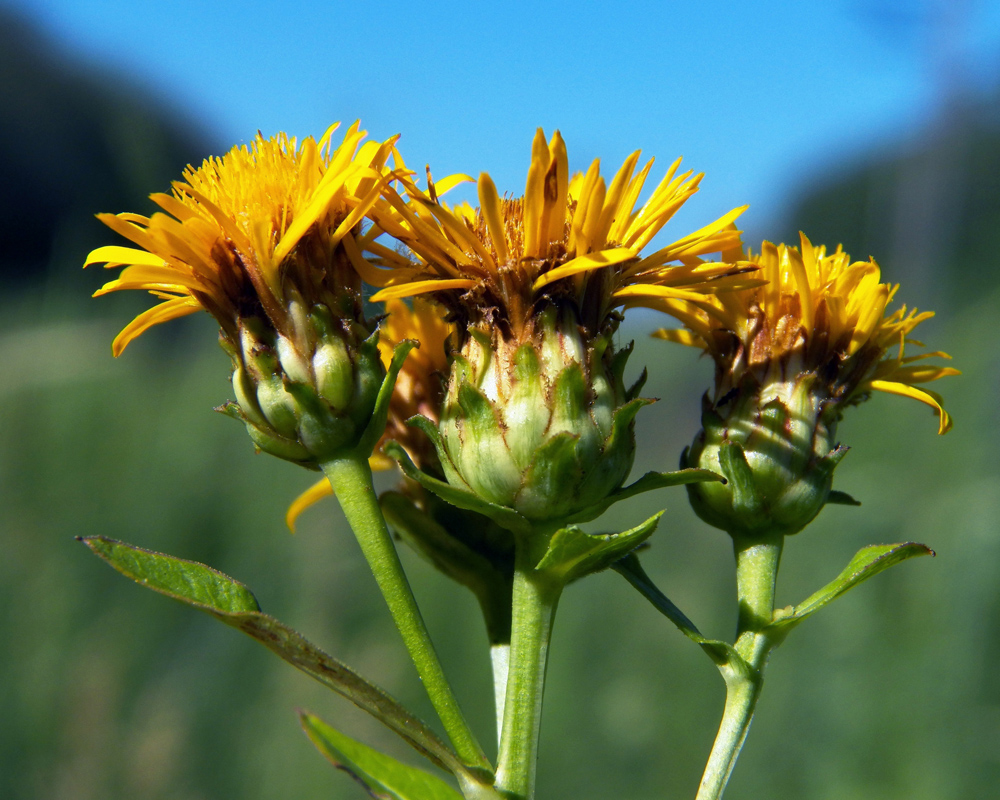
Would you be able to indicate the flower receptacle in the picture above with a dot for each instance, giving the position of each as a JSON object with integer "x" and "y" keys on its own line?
{"x": 309, "y": 398}
{"x": 774, "y": 444}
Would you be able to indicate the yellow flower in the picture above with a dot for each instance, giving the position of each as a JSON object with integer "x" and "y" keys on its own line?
{"x": 574, "y": 238}
{"x": 268, "y": 240}
{"x": 536, "y": 416}
{"x": 789, "y": 357}
{"x": 818, "y": 313}
{"x": 250, "y": 232}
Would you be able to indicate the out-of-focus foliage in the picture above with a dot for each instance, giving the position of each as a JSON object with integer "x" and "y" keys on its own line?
{"x": 109, "y": 691}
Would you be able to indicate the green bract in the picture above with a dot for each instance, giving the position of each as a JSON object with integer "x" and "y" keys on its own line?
{"x": 544, "y": 426}
{"x": 774, "y": 444}
{"x": 305, "y": 404}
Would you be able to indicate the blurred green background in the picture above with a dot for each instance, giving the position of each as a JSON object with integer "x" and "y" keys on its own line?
{"x": 109, "y": 691}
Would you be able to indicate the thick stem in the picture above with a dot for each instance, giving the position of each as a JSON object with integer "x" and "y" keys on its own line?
{"x": 756, "y": 574}
{"x": 351, "y": 479}
{"x": 535, "y": 598}
{"x": 757, "y": 563}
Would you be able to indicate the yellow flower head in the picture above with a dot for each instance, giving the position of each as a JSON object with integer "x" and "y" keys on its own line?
{"x": 537, "y": 416}
{"x": 264, "y": 226}
{"x": 567, "y": 239}
{"x": 818, "y": 313}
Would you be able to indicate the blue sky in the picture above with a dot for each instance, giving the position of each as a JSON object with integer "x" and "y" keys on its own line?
{"x": 763, "y": 97}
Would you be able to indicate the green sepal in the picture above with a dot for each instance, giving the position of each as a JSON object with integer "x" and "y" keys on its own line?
{"x": 633, "y": 391}
{"x": 369, "y": 383}
{"x": 483, "y": 443}
{"x": 839, "y": 498}
{"x": 617, "y": 372}
{"x": 233, "y": 411}
{"x": 867, "y": 562}
{"x": 432, "y": 432}
{"x": 233, "y": 603}
{"x": 569, "y": 397}
{"x": 382, "y": 775}
{"x": 833, "y": 458}
{"x": 572, "y": 553}
{"x": 722, "y": 654}
{"x": 267, "y": 442}
{"x": 648, "y": 482}
{"x": 746, "y": 499}
{"x": 319, "y": 429}
{"x": 555, "y": 473}
{"x": 463, "y": 498}
{"x": 380, "y": 413}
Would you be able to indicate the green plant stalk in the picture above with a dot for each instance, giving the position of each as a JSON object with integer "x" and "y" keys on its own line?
{"x": 536, "y": 595}
{"x": 756, "y": 574}
{"x": 351, "y": 479}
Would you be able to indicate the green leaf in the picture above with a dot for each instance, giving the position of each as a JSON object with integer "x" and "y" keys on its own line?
{"x": 383, "y": 775}
{"x": 189, "y": 581}
{"x": 231, "y": 602}
{"x": 376, "y": 427}
{"x": 572, "y": 553}
{"x": 868, "y": 561}
{"x": 648, "y": 482}
{"x": 723, "y": 654}
{"x": 463, "y": 498}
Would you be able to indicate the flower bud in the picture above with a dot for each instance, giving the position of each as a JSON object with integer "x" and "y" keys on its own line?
{"x": 790, "y": 356}
{"x": 305, "y": 407}
{"x": 544, "y": 425}
{"x": 775, "y": 446}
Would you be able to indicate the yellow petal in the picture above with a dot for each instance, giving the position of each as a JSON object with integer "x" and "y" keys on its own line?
{"x": 171, "y": 309}
{"x": 309, "y": 497}
{"x": 112, "y": 254}
{"x": 421, "y": 287}
{"x": 928, "y": 398}
{"x": 922, "y": 373}
{"x": 489, "y": 202}
{"x": 679, "y": 336}
{"x": 534, "y": 196}
{"x": 605, "y": 258}
{"x": 448, "y": 183}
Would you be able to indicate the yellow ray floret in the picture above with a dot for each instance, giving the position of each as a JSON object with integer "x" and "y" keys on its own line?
{"x": 246, "y": 230}
{"x": 823, "y": 310}
{"x": 564, "y": 235}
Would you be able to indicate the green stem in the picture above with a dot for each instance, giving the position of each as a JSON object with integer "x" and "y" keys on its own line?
{"x": 756, "y": 573}
{"x": 351, "y": 479}
{"x": 536, "y": 596}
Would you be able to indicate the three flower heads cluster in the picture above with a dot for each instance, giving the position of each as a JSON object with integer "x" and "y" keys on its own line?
{"x": 518, "y": 380}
